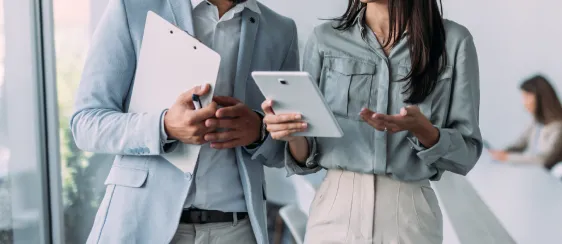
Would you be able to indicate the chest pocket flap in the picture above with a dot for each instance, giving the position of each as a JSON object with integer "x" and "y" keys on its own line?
{"x": 350, "y": 66}
{"x": 347, "y": 84}
{"x": 125, "y": 176}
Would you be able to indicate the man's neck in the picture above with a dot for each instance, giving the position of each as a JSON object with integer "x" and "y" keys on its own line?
{"x": 377, "y": 17}
{"x": 222, "y": 5}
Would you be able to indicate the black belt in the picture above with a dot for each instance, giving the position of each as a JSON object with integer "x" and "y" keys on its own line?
{"x": 198, "y": 216}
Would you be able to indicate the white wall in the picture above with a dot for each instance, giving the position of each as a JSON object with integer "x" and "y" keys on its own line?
{"x": 515, "y": 39}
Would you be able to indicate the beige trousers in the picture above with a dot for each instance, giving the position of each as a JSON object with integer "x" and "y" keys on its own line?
{"x": 364, "y": 208}
{"x": 219, "y": 233}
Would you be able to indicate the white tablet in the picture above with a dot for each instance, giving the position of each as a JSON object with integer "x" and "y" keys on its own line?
{"x": 296, "y": 92}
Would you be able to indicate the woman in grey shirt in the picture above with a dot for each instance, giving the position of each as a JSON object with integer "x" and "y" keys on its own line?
{"x": 404, "y": 86}
{"x": 541, "y": 142}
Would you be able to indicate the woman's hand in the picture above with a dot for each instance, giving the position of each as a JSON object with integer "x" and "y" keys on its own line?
{"x": 410, "y": 119}
{"x": 499, "y": 155}
{"x": 282, "y": 126}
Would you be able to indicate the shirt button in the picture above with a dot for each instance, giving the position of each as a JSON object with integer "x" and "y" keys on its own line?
{"x": 188, "y": 176}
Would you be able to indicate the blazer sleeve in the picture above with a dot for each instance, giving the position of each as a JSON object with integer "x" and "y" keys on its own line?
{"x": 100, "y": 122}
{"x": 548, "y": 157}
{"x": 271, "y": 151}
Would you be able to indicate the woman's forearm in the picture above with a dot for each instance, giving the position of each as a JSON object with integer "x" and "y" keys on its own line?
{"x": 299, "y": 149}
{"x": 427, "y": 135}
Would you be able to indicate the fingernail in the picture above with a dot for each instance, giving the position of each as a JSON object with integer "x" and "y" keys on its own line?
{"x": 304, "y": 125}
{"x": 298, "y": 116}
{"x": 203, "y": 86}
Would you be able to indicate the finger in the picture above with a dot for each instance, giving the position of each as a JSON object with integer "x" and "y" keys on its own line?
{"x": 366, "y": 112}
{"x": 378, "y": 124}
{"x": 198, "y": 130}
{"x": 267, "y": 107}
{"x": 393, "y": 127}
{"x": 195, "y": 140}
{"x": 202, "y": 114}
{"x": 222, "y": 123}
{"x": 394, "y": 119}
{"x": 227, "y": 144}
{"x": 284, "y": 134}
{"x": 187, "y": 97}
{"x": 222, "y": 136}
{"x": 232, "y": 111}
{"x": 226, "y": 101}
{"x": 281, "y": 118}
{"x": 287, "y": 126}
{"x": 375, "y": 122}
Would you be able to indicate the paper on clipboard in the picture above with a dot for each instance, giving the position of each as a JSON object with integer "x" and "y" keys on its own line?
{"x": 170, "y": 63}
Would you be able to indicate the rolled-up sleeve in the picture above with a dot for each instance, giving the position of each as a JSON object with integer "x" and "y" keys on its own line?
{"x": 312, "y": 63}
{"x": 460, "y": 141}
{"x": 293, "y": 167}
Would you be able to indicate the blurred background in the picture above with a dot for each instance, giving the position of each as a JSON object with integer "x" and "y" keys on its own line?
{"x": 50, "y": 190}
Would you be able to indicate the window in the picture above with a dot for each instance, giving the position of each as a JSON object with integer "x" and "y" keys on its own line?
{"x": 82, "y": 173}
{"x": 24, "y": 205}
{"x": 6, "y": 235}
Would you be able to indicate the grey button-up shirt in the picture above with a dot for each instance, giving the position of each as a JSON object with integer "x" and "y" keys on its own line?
{"x": 353, "y": 72}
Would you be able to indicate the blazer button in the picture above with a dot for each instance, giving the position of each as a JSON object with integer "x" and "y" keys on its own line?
{"x": 252, "y": 20}
{"x": 188, "y": 176}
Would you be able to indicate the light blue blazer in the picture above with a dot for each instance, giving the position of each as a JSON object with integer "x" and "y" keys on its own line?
{"x": 145, "y": 193}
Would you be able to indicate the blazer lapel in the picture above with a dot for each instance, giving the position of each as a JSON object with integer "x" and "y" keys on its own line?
{"x": 250, "y": 24}
{"x": 182, "y": 14}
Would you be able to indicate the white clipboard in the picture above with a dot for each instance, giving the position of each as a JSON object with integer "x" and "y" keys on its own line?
{"x": 171, "y": 62}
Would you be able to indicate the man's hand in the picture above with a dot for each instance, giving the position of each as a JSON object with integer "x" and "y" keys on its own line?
{"x": 242, "y": 125}
{"x": 182, "y": 122}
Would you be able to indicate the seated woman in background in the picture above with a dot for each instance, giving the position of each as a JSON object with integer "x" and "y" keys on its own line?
{"x": 541, "y": 143}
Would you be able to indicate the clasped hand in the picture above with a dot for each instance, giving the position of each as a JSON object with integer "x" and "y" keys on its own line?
{"x": 233, "y": 125}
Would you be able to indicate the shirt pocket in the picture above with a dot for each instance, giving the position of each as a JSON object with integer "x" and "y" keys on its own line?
{"x": 346, "y": 85}
{"x": 439, "y": 98}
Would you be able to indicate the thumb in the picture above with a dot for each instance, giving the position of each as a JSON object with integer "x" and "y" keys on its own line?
{"x": 410, "y": 110}
{"x": 201, "y": 90}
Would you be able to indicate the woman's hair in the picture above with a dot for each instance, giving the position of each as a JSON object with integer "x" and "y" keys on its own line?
{"x": 422, "y": 22}
{"x": 548, "y": 108}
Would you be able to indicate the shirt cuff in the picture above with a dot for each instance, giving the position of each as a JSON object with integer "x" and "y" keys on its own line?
{"x": 164, "y": 141}
{"x": 433, "y": 154}
{"x": 293, "y": 167}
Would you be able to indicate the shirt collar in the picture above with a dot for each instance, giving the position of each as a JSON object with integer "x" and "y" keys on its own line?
{"x": 249, "y": 4}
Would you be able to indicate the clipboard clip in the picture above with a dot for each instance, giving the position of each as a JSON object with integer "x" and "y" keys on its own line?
{"x": 194, "y": 47}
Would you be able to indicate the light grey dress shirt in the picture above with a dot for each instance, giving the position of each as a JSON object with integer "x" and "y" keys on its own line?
{"x": 353, "y": 72}
{"x": 217, "y": 184}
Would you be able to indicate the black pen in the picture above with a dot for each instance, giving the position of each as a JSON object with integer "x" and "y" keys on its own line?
{"x": 196, "y": 101}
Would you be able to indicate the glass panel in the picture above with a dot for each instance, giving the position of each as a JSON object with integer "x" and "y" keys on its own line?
{"x": 6, "y": 234}
{"x": 82, "y": 173}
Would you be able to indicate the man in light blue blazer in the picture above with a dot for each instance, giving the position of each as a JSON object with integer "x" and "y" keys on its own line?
{"x": 149, "y": 200}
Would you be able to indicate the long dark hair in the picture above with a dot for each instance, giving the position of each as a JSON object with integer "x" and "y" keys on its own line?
{"x": 548, "y": 105}
{"x": 422, "y": 20}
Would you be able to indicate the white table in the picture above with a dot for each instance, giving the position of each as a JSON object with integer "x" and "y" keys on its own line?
{"x": 527, "y": 200}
